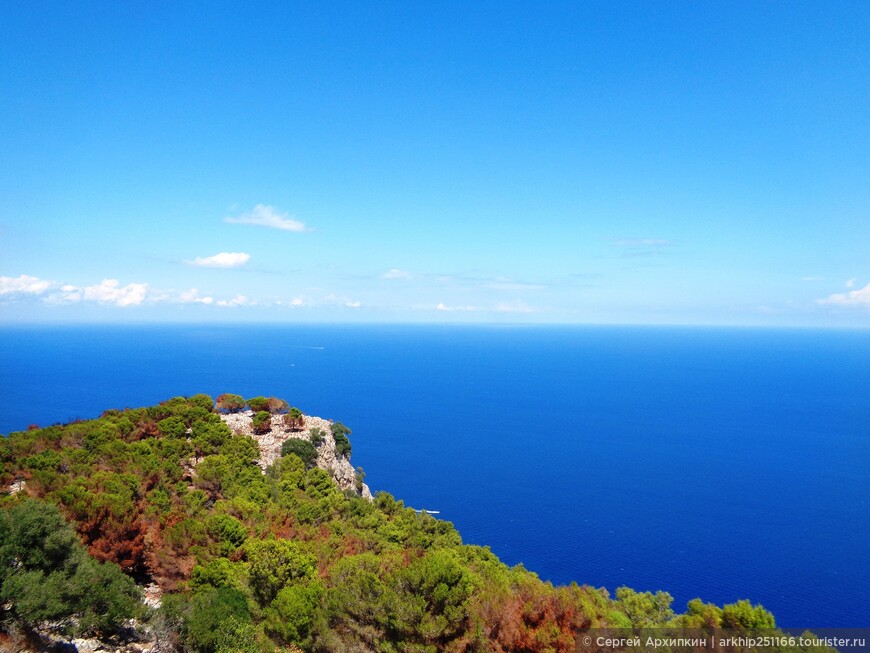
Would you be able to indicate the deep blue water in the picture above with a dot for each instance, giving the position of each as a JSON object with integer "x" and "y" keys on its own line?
{"x": 720, "y": 463}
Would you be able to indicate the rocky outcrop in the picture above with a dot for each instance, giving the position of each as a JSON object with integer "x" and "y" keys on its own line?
{"x": 48, "y": 638}
{"x": 270, "y": 443}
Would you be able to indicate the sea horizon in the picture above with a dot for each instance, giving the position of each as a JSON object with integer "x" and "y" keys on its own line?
{"x": 719, "y": 462}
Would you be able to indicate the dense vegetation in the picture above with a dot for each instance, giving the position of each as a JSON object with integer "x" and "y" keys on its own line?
{"x": 253, "y": 561}
{"x": 47, "y": 575}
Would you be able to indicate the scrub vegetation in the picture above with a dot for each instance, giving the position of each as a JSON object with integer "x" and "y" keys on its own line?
{"x": 252, "y": 561}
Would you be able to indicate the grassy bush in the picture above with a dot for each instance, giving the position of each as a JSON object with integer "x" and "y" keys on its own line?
{"x": 47, "y": 575}
{"x": 317, "y": 436}
{"x": 262, "y": 422}
{"x": 258, "y": 404}
{"x": 339, "y": 434}
{"x": 201, "y": 401}
{"x": 212, "y": 621}
{"x": 302, "y": 448}
{"x": 230, "y": 403}
{"x": 270, "y": 404}
{"x": 277, "y": 406}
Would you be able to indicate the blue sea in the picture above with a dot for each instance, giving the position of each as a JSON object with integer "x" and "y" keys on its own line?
{"x": 712, "y": 463}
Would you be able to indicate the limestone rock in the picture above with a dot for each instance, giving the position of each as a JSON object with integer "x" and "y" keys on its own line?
{"x": 270, "y": 443}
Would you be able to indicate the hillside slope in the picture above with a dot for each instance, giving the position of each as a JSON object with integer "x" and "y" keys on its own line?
{"x": 250, "y": 531}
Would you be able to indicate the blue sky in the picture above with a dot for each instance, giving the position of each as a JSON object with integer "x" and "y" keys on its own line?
{"x": 644, "y": 163}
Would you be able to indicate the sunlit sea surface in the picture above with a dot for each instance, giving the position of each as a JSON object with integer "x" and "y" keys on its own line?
{"x": 718, "y": 463}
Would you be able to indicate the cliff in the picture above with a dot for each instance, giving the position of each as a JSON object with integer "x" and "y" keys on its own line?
{"x": 338, "y": 465}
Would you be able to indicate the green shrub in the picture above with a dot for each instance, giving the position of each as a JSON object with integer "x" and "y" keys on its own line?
{"x": 269, "y": 404}
{"x": 318, "y": 435}
{"x": 273, "y": 564}
{"x": 645, "y": 609}
{"x": 241, "y": 450}
{"x": 439, "y": 587}
{"x": 339, "y": 434}
{"x": 175, "y": 406}
{"x": 44, "y": 460}
{"x": 211, "y": 615}
{"x": 745, "y": 615}
{"x": 258, "y": 403}
{"x": 294, "y": 420}
{"x": 172, "y": 427}
{"x": 47, "y": 575}
{"x": 209, "y": 437}
{"x": 339, "y": 428}
{"x": 700, "y": 615}
{"x": 230, "y": 403}
{"x": 302, "y": 448}
{"x": 291, "y": 616}
{"x": 342, "y": 445}
{"x": 262, "y": 422}
{"x": 277, "y": 405}
{"x": 227, "y": 530}
{"x": 217, "y": 573}
{"x": 125, "y": 426}
{"x": 203, "y": 401}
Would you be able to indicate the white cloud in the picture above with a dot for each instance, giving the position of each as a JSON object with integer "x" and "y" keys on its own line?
{"x": 394, "y": 273}
{"x": 267, "y": 216}
{"x": 238, "y": 300}
{"x": 108, "y": 291}
{"x": 512, "y": 307}
{"x": 812, "y": 278}
{"x": 851, "y": 283}
{"x": 111, "y": 292}
{"x": 222, "y": 260}
{"x": 860, "y": 297}
{"x": 23, "y": 285}
{"x": 451, "y": 309}
{"x": 499, "y": 307}
{"x": 331, "y": 300}
{"x": 68, "y": 294}
{"x": 192, "y": 297}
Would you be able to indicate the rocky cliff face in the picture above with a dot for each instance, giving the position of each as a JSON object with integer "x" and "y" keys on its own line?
{"x": 270, "y": 445}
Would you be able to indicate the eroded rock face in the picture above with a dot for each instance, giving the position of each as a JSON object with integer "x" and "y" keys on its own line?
{"x": 135, "y": 638}
{"x": 270, "y": 443}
